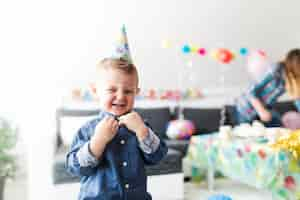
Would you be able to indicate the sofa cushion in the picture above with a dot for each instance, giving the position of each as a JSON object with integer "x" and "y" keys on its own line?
{"x": 68, "y": 122}
{"x": 179, "y": 145}
{"x": 284, "y": 106}
{"x": 205, "y": 119}
{"x": 157, "y": 118}
{"x": 70, "y": 125}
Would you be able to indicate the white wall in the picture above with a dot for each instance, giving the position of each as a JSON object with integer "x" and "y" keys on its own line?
{"x": 81, "y": 32}
{"x": 61, "y": 40}
{"x": 53, "y": 45}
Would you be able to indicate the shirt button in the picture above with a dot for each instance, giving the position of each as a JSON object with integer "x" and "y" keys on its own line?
{"x": 126, "y": 185}
{"x": 124, "y": 164}
{"x": 122, "y": 141}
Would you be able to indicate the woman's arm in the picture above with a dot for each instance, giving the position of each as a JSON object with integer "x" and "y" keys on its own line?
{"x": 263, "y": 113}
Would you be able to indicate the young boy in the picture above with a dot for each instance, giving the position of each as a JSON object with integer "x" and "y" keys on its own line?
{"x": 109, "y": 152}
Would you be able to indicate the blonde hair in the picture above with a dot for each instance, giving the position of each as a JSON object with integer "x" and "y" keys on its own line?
{"x": 292, "y": 72}
{"x": 117, "y": 64}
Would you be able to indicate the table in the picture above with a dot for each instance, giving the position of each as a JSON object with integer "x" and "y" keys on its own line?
{"x": 248, "y": 160}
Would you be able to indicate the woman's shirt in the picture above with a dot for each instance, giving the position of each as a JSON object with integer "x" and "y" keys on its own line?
{"x": 267, "y": 90}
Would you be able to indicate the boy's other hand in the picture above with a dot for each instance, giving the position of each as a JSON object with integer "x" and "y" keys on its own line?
{"x": 135, "y": 123}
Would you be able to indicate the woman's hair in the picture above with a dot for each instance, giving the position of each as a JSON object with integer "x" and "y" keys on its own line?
{"x": 292, "y": 72}
{"x": 117, "y": 64}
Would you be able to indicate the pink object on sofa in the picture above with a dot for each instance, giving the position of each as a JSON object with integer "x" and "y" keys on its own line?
{"x": 180, "y": 129}
{"x": 291, "y": 120}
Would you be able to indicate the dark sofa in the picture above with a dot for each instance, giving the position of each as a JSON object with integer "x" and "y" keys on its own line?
{"x": 157, "y": 118}
{"x": 206, "y": 120}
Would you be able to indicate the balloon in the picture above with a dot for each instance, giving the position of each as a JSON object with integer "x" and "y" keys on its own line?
{"x": 243, "y": 51}
{"x": 201, "y": 51}
{"x": 257, "y": 64}
{"x": 194, "y": 49}
{"x": 224, "y": 56}
{"x": 186, "y": 49}
{"x": 180, "y": 129}
{"x": 291, "y": 120}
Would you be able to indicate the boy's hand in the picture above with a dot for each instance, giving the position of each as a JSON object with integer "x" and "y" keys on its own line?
{"x": 134, "y": 122}
{"x": 105, "y": 131}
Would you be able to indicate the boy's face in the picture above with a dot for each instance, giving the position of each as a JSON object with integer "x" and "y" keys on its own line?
{"x": 117, "y": 91}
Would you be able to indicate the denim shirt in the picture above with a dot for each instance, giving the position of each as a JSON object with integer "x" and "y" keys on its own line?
{"x": 120, "y": 173}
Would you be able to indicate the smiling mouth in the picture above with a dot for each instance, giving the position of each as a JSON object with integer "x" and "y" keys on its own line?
{"x": 119, "y": 105}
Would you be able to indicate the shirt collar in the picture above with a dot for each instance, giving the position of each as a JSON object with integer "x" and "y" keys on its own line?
{"x": 103, "y": 113}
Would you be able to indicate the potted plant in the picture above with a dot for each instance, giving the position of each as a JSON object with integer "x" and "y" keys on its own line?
{"x": 7, "y": 158}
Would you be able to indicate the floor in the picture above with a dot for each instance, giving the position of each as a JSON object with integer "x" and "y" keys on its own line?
{"x": 17, "y": 189}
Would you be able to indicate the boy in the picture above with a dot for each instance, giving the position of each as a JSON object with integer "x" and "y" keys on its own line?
{"x": 109, "y": 153}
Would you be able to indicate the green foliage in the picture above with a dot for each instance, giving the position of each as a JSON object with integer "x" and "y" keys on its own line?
{"x": 8, "y": 138}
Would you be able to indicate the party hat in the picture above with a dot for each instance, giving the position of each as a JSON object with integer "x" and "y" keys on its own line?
{"x": 121, "y": 47}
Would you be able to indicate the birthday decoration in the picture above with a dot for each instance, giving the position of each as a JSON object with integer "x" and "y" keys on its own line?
{"x": 121, "y": 47}
{"x": 257, "y": 64}
{"x": 174, "y": 94}
{"x": 86, "y": 94}
{"x": 89, "y": 94}
{"x": 243, "y": 51}
{"x": 290, "y": 143}
{"x": 180, "y": 129}
{"x": 222, "y": 55}
{"x": 194, "y": 49}
{"x": 201, "y": 51}
{"x": 186, "y": 49}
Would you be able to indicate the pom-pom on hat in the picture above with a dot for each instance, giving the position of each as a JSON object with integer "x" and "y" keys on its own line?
{"x": 121, "y": 47}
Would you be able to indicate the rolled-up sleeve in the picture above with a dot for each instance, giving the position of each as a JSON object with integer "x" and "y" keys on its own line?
{"x": 153, "y": 148}
{"x": 79, "y": 160}
{"x": 150, "y": 143}
{"x": 85, "y": 157}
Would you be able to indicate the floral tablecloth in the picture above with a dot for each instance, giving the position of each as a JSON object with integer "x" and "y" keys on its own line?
{"x": 251, "y": 161}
